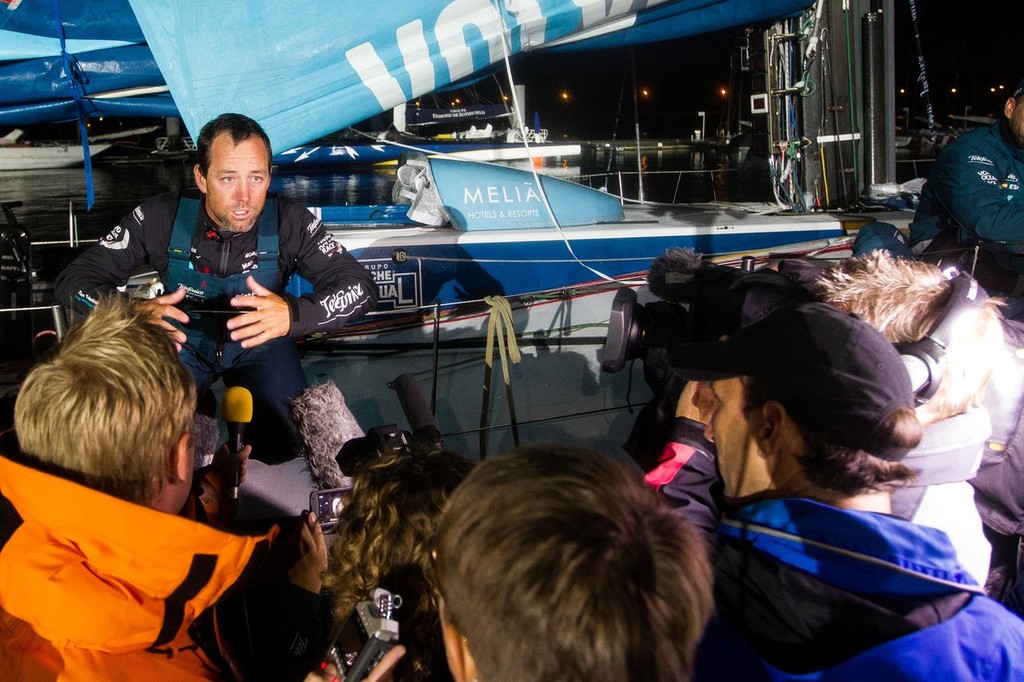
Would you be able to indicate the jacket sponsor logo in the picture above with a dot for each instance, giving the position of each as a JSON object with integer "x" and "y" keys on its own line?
{"x": 85, "y": 298}
{"x": 1011, "y": 182}
{"x": 250, "y": 254}
{"x": 117, "y": 240}
{"x": 987, "y": 177}
{"x": 314, "y": 226}
{"x": 337, "y": 304}
{"x": 248, "y": 265}
{"x": 139, "y": 214}
{"x": 978, "y": 158}
{"x": 327, "y": 245}
{"x": 192, "y": 291}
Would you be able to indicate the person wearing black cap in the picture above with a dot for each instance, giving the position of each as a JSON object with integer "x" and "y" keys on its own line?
{"x": 813, "y": 576}
{"x": 974, "y": 197}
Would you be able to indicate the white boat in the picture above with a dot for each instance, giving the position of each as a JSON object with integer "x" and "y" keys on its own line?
{"x": 302, "y": 80}
{"x": 20, "y": 156}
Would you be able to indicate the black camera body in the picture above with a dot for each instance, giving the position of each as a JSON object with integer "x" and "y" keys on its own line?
{"x": 364, "y": 638}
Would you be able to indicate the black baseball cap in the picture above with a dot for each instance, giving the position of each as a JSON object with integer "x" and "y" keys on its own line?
{"x": 834, "y": 373}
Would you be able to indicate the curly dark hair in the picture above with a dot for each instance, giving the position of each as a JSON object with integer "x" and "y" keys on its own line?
{"x": 384, "y": 540}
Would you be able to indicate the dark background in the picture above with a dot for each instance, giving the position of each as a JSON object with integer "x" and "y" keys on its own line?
{"x": 971, "y": 47}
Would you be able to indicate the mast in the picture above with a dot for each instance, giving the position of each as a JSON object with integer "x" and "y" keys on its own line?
{"x": 826, "y": 147}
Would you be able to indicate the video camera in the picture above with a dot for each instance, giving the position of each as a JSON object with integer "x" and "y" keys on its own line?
{"x": 634, "y": 329}
{"x": 389, "y": 438}
{"x": 364, "y": 638}
{"x": 701, "y": 301}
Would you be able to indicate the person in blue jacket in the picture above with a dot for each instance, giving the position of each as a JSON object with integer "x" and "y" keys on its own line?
{"x": 814, "y": 577}
{"x": 224, "y": 254}
{"x": 973, "y": 197}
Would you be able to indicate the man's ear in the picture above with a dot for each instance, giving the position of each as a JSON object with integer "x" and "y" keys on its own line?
{"x": 181, "y": 458}
{"x": 200, "y": 178}
{"x": 456, "y": 649}
{"x": 772, "y": 418}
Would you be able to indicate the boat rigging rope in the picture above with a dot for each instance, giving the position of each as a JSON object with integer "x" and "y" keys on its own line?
{"x": 501, "y": 327}
{"x": 922, "y": 77}
{"x": 69, "y": 64}
{"x": 506, "y": 57}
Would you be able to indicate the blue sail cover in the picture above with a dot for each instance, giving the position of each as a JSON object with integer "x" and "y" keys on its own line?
{"x": 304, "y": 68}
{"x": 307, "y": 68}
{"x": 103, "y": 45}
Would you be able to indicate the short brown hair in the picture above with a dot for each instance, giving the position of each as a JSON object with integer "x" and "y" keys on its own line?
{"x": 109, "y": 403}
{"x": 559, "y": 563}
{"x": 239, "y": 127}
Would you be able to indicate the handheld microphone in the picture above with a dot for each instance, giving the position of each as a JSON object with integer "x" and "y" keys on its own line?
{"x": 236, "y": 411}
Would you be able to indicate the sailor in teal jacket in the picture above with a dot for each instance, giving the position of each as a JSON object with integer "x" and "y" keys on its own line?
{"x": 974, "y": 196}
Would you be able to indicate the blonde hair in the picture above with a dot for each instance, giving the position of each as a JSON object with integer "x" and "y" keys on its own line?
{"x": 904, "y": 299}
{"x": 109, "y": 404}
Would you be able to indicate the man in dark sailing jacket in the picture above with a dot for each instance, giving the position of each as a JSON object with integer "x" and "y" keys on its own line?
{"x": 224, "y": 254}
{"x": 973, "y": 197}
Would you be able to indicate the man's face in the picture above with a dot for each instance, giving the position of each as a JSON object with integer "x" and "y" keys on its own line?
{"x": 1015, "y": 118}
{"x": 744, "y": 471}
{"x": 236, "y": 182}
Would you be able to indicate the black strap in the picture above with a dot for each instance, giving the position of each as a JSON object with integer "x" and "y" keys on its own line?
{"x": 199, "y": 573}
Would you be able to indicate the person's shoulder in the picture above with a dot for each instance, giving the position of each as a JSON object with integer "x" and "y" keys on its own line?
{"x": 159, "y": 207}
{"x": 293, "y": 213}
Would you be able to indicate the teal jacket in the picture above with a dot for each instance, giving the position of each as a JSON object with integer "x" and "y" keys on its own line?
{"x": 974, "y": 189}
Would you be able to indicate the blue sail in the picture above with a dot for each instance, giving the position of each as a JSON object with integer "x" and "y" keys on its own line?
{"x": 306, "y": 69}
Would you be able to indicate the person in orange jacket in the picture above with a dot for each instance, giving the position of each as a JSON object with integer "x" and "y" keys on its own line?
{"x": 106, "y": 578}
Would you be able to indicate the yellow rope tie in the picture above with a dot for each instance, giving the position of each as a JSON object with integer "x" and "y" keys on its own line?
{"x": 499, "y": 321}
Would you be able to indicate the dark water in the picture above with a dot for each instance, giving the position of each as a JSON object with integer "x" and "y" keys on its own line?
{"x": 669, "y": 176}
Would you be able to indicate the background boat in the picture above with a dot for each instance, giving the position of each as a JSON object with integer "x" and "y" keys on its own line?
{"x": 16, "y": 154}
{"x": 302, "y": 79}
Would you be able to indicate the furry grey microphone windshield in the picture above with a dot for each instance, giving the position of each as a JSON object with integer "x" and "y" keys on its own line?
{"x": 324, "y": 424}
{"x": 671, "y": 274}
{"x": 205, "y": 437}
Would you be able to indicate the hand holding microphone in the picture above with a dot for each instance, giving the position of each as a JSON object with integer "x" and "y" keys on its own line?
{"x": 236, "y": 411}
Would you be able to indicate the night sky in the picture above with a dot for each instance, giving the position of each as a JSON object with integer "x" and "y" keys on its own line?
{"x": 972, "y": 47}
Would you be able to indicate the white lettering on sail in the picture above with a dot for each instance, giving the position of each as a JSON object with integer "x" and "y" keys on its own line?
{"x": 452, "y": 25}
{"x": 416, "y": 56}
{"x": 462, "y": 22}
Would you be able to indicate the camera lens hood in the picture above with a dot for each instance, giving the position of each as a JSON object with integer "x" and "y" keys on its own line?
{"x": 625, "y": 331}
